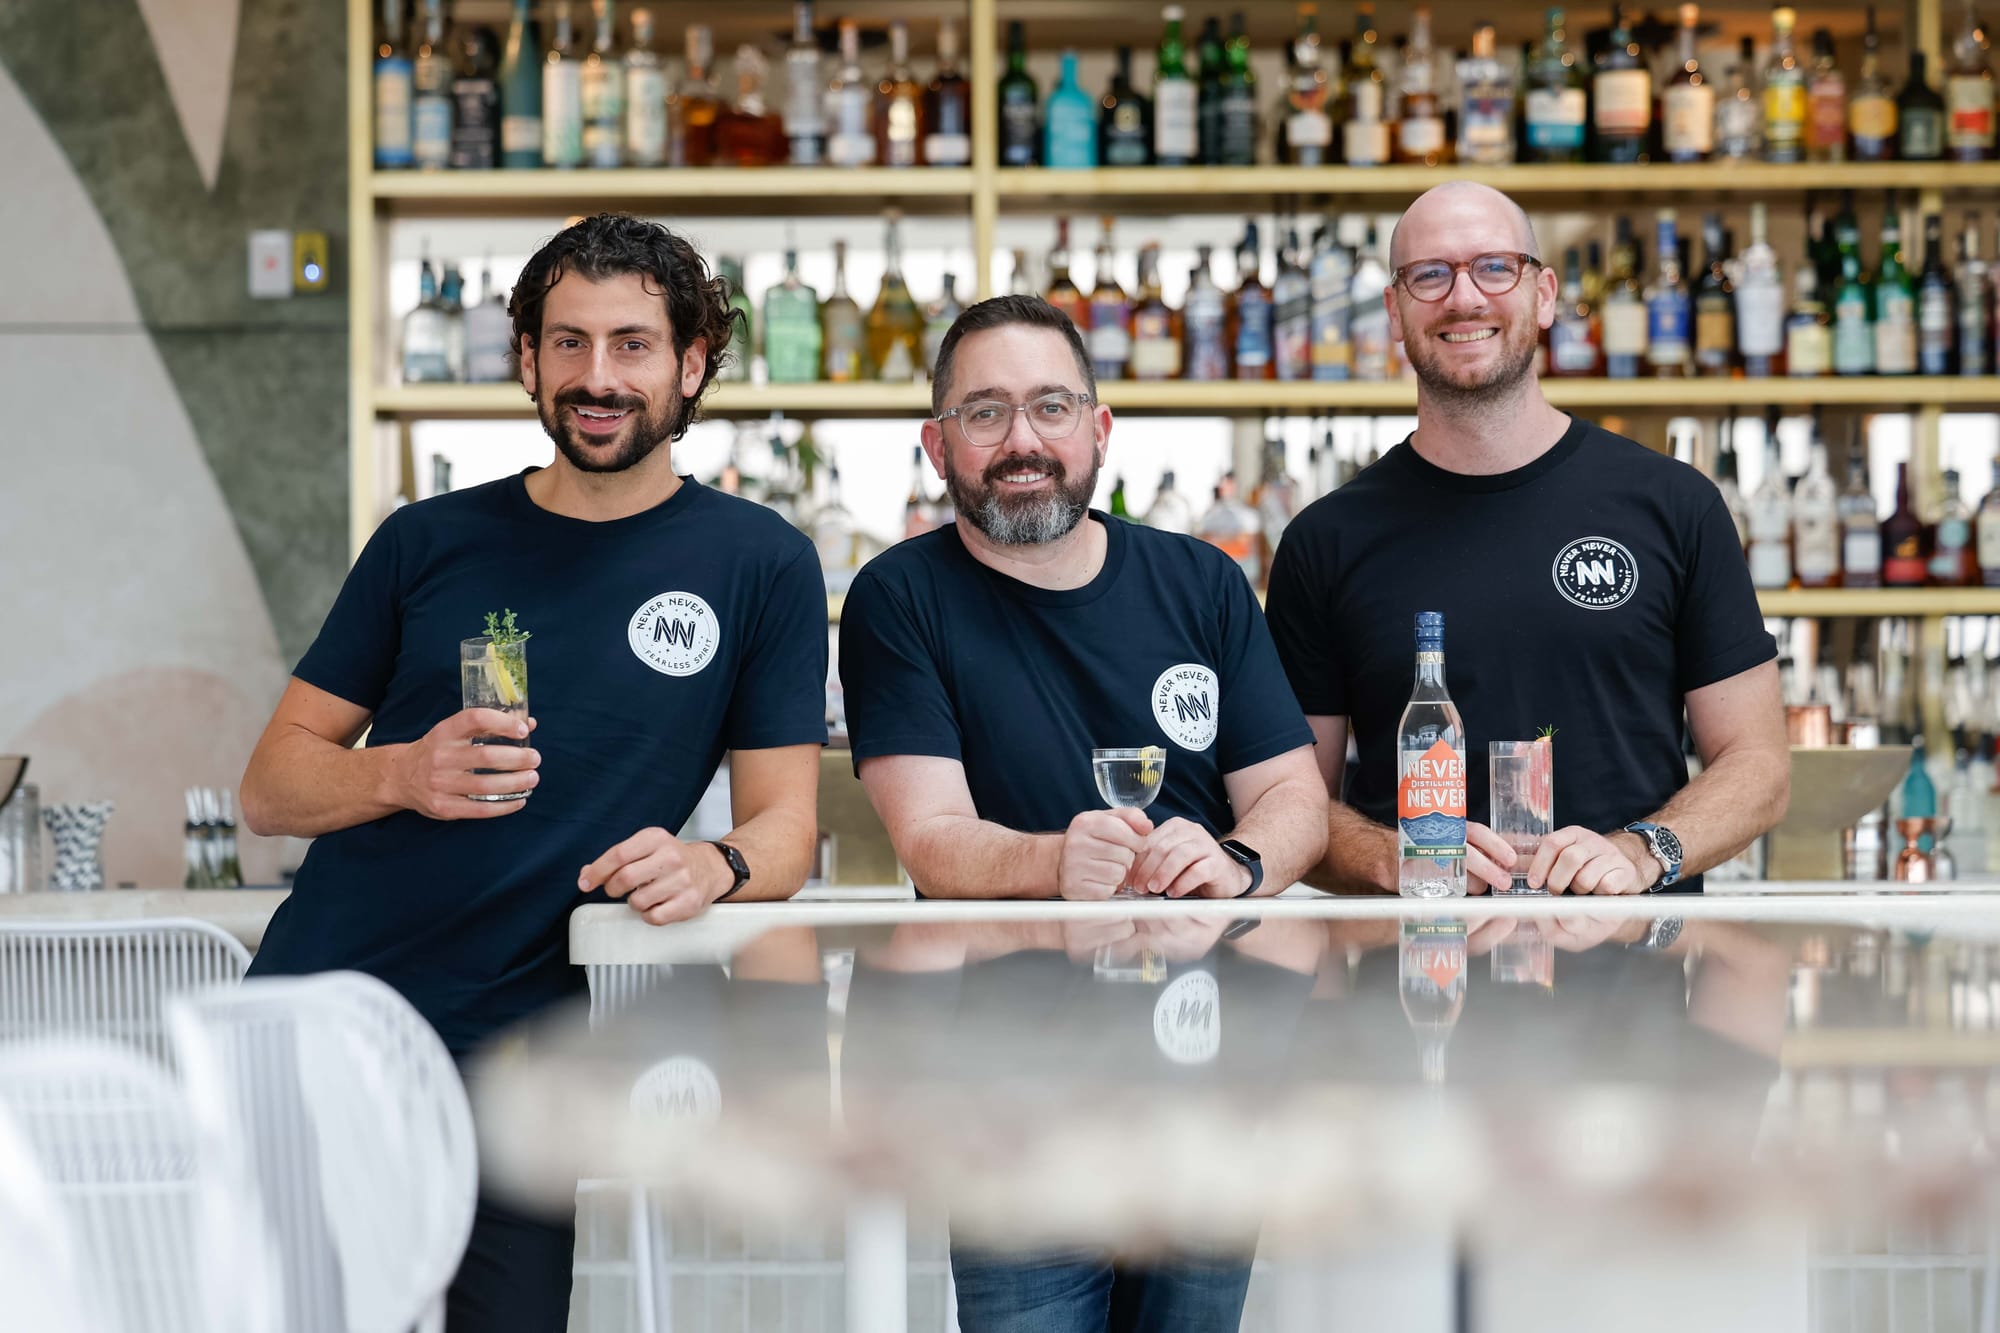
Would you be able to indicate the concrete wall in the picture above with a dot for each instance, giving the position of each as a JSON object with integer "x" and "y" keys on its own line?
{"x": 172, "y": 457}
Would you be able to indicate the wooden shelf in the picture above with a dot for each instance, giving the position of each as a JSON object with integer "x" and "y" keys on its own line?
{"x": 1889, "y": 1048}
{"x": 1235, "y": 398}
{"x": 512, "y": 193}
{"x": 1881, "y": 602}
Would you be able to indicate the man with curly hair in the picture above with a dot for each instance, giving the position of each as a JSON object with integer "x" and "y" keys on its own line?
{"x": 670, "y": 623}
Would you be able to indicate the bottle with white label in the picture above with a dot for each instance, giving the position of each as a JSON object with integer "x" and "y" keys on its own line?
{"x": 1623, "y": 101}
{"x": 1176, "y": 119}
{"x": 430, "y": 87}
{"x": 1988, "y": 529}
{"x": 1369, "y": 319}
{"x": 1816, "y": 533}
{"x": 1624, "y": 309}
{"x": 1420, "y": 136}
{"x": 645, "y": 96}
{"x": 1430, "y": 786}
{"x": 1687, "y": 106}
{"x": 562, "y": 96}
{"x": 1485, "y": 104}
{"x": 1860, "y": 528}
{"x": 392, "y": 78}
{"x": 1771, "y": 519}
{"x": 1558, "y": 103}
{"x": 1760, "y": 300}
{"x": 603, "y": 77}
{"x": 850, "y": 106}
{"x": 1364, "y": 132}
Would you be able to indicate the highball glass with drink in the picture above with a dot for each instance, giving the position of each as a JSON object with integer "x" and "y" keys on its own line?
{"x": 1521, "y": 795}
{"x": 495, "y": 675}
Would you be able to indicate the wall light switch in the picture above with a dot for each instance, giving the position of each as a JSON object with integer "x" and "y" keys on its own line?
{"x": 309, "y": 267}
{"x": 270, "y": 265}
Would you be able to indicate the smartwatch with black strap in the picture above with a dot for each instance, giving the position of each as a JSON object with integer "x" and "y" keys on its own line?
{"x": 1245, "y": 855}
{"x": 737, "y": 867}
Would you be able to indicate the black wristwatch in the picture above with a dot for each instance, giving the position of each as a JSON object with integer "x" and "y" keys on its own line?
{"x": 1243, "y": 854}
{"x": 737, "y": 867}
{"x": 1663, "y": 932}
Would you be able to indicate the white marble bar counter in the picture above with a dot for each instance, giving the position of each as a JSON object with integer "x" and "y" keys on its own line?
{"x": 244, "y": 913}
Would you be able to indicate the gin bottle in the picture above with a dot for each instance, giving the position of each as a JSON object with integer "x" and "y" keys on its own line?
{"x": 1430, "y": 787}
{"x": 603, "y": 91}
{"x": 426, "y": 356}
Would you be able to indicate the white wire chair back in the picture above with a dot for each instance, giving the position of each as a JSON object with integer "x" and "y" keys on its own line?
{"x": 364, "y": 1143}
{"x": 38, "y": 1263}
{"x": 166, "y": 1232}
{"x": 108, "y": 979}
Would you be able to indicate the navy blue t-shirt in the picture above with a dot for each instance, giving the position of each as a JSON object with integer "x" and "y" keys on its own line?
{"x": 659, "y": 641}
{"x": 940, "y": 655}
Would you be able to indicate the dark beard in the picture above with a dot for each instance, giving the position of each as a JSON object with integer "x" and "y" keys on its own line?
{"x": 1504, "y": 381}
{"x": 1028, "y": 520}
{"x": 644, "y": 431}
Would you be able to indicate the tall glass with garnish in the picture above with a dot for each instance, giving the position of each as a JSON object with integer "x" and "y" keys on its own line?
{"x": 493, "y": 673}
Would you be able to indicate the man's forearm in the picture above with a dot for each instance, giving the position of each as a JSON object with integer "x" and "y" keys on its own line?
{"x": 300, "y": 785}
{"x": 777, "y": 844}
{"x": 1360, "y": 854}
{"x": 1734, "y": 801}
{"x": 957, "y": 856}
{"x": 1285, "y": 828}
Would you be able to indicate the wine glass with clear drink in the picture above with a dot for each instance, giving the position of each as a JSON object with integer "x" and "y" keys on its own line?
{"x": 1129, "y": 779}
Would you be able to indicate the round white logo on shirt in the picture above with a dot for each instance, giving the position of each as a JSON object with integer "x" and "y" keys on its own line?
{"x": 1596, "y": 573}
{"x": 1187, "y": 1019}
{"x": 1185, "y": 701}
{"x": 675, "y": 634}
{"x": 682, "y": 1088}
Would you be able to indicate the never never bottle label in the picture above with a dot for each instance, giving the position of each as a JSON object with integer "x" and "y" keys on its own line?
{"x": 1430, "y": 803}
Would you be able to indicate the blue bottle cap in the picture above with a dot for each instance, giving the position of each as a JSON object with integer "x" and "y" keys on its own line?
{"x": 1430, "y": 630}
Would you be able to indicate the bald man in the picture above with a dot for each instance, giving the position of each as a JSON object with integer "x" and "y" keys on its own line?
{"x": 1589, "y": 586}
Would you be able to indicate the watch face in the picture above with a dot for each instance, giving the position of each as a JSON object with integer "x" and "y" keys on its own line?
{"x": 1241, "y": 851}
{"x": 1669, "y": 844}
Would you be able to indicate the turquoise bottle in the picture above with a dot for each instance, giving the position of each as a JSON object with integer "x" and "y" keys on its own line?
{"x": 1069, "y": 127}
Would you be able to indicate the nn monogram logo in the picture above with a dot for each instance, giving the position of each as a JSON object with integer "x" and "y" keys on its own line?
{"x": 1187, "y": 705}
{"x": 676, "y": 634}
{"x": 1596, "y": 573}
{"x": 1187, "y": 1019}
{"x": 1191, "y": 708}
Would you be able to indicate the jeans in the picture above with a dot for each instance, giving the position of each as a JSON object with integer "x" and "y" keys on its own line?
{"x": 1077, "y": 1292}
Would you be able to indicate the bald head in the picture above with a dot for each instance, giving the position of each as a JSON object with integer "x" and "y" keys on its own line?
{"x": 1460, "y": 217}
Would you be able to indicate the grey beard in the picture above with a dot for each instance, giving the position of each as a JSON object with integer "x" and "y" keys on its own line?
{"x": 1032, "y": 524}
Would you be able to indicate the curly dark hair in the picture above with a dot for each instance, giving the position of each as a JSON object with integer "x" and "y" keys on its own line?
{"x": 606, "y": 245}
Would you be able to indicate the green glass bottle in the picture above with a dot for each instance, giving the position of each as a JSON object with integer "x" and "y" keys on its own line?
{"x": 521, "y": 91}
{"x": 1020, "y": 130}
{"x": 1176, "y": 128}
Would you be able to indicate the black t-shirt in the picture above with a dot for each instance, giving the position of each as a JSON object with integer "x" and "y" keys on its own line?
{"x": 940, "y": 655}
{"x": 1589, "y": 591}
{"x": 659, "y": 641}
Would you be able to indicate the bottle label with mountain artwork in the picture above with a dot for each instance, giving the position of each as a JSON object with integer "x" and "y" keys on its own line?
{"x": 1430, "y": 803}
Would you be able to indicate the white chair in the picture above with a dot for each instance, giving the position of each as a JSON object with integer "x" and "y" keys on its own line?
{"x": 38, "y": 1264}
{"x": 107, "y": 979}
{"x": 364, "y": 1148}
{"x": 166, "y": 1230}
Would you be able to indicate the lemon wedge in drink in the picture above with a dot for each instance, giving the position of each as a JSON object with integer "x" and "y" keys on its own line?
{"x": 1152, "y": 759}
{"x": 503, "y": 679}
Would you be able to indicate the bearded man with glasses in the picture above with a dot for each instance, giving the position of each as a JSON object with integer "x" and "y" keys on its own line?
{"x": 1589, "y": 585}
{"x": 982, "y": 664}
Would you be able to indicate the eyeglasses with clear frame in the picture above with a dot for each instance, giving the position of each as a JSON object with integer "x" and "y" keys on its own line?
{"x": 986, "y": 421}
{"x": 1495, "y": 274}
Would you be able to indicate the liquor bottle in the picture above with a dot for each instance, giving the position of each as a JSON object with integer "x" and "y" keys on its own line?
{"x": 1760, "y": 301}
{"x": 1624, "y": 308}
{"x": 1125, "y": 128}
{"x": 939, "y": 316}
{"x": 899, "y": 102}
{"x": 489, "y": 335}
{"x": 562, "y": 96}
{"x": 451, "y": 299}
{"x": 1209, "y": 59}
{"x": 744, "y": 349}
{"x": 1069, "y": 126}
{"x": 1727, "y": 483}
{"x": 747, "y": 133}
{"x": 1558, "y": 102}
{"x": 1171, "y": 511}
{"x": 1364, "y": 131}
{"x": 895, "y": 326}
{"x": 948, "y": 106}
{"x": 521, "y": 91}
{"x": 1904, "y": 557}
{"x": 1854, "y": 341}
{"x": 1305, "y": 127}
{"x": 1973, "y": 304}
{"x": 1771, "y": 519}
{"x": 1937, "y": 320}
{"x": 918, "y": 517}
{"x": 1063, "y": 293}
{"x": 1291, "y": 314}
{"x": 1895, "y": 302}
{"x": 1204, "y": 323}
{"x": 475, "y": 101}
{"x": 1276, "y": 500}
{"x": 1669, "y": 308}
{"x": 1486, "y": 104}
{"x": 1968, "y": 95}
{"x": 1784, "y": 93}
{"x": 1420, "y": 135}
{"x": 1368, "y": 325}
{"x": 1871, "y": 113}
{"x": 850, "y": 106}
{"x": 604, "y": 93}
{"x": 426, "y": 356}
{"x": 694, "y": 111}
{"x": 645, "y": 96}
{"x": 1687, "y": 105}
{"x": 1574, "y": 337}
{"x": 393, "y": 79}
{"x": 1156, "y": 333}
{"x": 1826, "y": 103}
{"x": 1622, "y": 96}
{"x": 1110, "y": 336}
{"x": 1430, "y": 777}
{"x": 1250, "y": 311}
{"x": 1955, "y": 557}
{"x": 1816, "y": 530}
{"x": 1231, "y": 526}
{"x": 1238, "y": 103}
{"x": 1332, "y": 277}
{"x": 1808, "y": 328}
{"x": 1176, "y": 134}
{"x": 1739, "y": 115}
{"x": 843, "y": 335}
{"x": 1919, "y": 116}
{"x": 805, "y": 121}
{"x": 1860, "y": 530}
{"x": 1715, "y": 338}
{"x": 1988, "y": 530}
{"x": 1020, "y": 131}
{"x": 792, "y": 337}
{"x": 1119, "y": 508}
